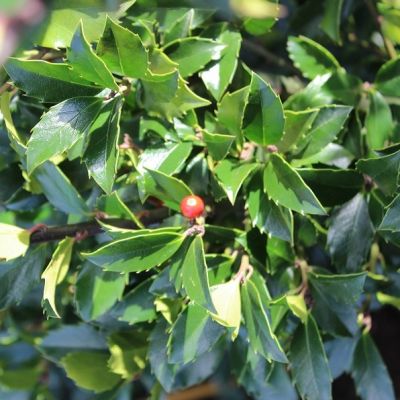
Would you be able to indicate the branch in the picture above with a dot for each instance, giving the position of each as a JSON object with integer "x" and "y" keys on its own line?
{"x": 92, "y": 228}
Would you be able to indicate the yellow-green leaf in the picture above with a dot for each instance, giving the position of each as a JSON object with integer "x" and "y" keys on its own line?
{"x": 14, "y": 241}
{"x": 55, "y": 273}
{"x": 298, "y": 306}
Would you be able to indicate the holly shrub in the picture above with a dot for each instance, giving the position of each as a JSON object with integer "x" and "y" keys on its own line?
{"x": 287, "y": 131}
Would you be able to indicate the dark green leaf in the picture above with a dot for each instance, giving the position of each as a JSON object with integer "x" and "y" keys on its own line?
{"x": 19, "y": 276}
{"x": 340, "y": 354}
{"x": 309, "y": 363}
{"x": 335, "y": 298}
{"x": 369, "y": 372}
{"x": 350, "y": 235}
{"x": 218, "y": 145}
{"x": 286, "y": 187}
{"x": 48, "y": 82}
{"x": 331, "y": 21}
{"x": 391, "y": 219}
{"x": 388, "y": 78}
{"x": 101, "y": 155}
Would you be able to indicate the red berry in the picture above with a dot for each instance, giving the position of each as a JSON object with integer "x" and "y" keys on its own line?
{"x": 192, "y": 206}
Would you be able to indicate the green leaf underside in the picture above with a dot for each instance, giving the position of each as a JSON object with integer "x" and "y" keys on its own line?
{"x": 309, "y": 363}
{"x": 136, "y": 254}
{"x": 285, "y": 186}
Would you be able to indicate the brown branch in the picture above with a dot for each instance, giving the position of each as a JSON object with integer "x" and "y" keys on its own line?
{"x": 93, "y": 228}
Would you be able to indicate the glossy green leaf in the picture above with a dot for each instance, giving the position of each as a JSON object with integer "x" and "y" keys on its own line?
{"x": 101, "y": 155}
{"x": 137, "y": 305}
{"x": 231, "y": 176}
{"x": 335, "y": 299}
{"x": 122, "y": 51}
{"x": 59, "y": 190}
{"x": 218, "y": 145}
{"x": 97, "y": 291}
{"x": 296, "y": 126}
{"x": 350, "y": 235}
{"x": 194, "y": 275}
{"x": 324, "y": 129}
{"x": 193, "y": 53}
{"x": 311, "y": 58}
{"x": 231, "y": 111}
{"x": 218, "y": 77}
{"x": 285, "y": 186}
{"x": 19, "y": 276}
{"x": 89, "y": 370}
{"x": 388, "y": 78}
{"x": 14, "y": 241}
{"x": 169, "y": 189}
{"x": 261, "y": 337}
{"x": 170, "y": 97}
{"x": 136, "y": 254}
{"x": 264, "y": 120}
{"x": 193, "y": 334}
{"x": 340, "y": 354}
{"x": 331, "y": 20}
{"x": 265, "y": 214}
{"x": 378, "y": 122}
{"x": 60, "y": 128}
{"x": 57, "y": 30}
{"x": 87, "y": 64}
{"x": 309, "y": 363}
{"x": 369, "y": 372}
{"x": 55, "y": 273}
{"x": 384, "y": 170}
{"x": 49, "y": 82}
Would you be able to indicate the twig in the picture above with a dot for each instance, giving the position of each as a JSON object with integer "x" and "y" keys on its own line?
{"x": 92, "y": 228}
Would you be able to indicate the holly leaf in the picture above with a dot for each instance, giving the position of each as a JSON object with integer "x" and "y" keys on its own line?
{"x": 264, "y": 119}
{"x": 331, "y": 20}
{"x": 286, "y": 187}
{"x": 97, "y": 291}
{"x": 193, "y": 53}
{"x": 262, "y": 339}
{"x": 89, "y": 370}
{"x": 122, "y": 51}
{"x": 218, "y": 145}
{"x": 87, "y": 64}
{"x": 138, "y": 253}
{"x": 231, "y": 175}
{"x": 60, "y": 128}
{"x": 310, "y": 57}
{"x": 14, "y": 241}
{"x": 350, "y": 235}
{"x": 55, "y": 273}
{"x": 388, "y": 78}
{"x": 369, "y": 372}
{"x": 335, "y": 299}
{"x": 193, "y": 334}
{"x": 48, "y": 82}
{"x": 309, "y": 363}
{"x": 101, "y": 155}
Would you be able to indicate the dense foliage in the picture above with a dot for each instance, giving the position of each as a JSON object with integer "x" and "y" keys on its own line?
{"x": 288, "y": 131}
